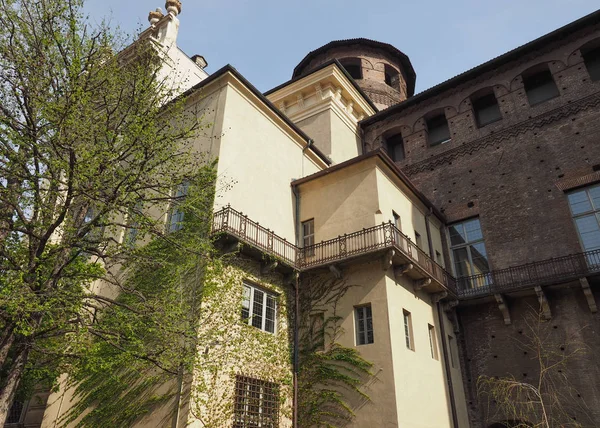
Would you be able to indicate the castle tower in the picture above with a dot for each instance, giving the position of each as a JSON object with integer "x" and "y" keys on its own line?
{"x": 383, "y": 72}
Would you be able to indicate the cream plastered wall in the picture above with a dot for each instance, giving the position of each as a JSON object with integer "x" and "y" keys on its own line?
{"x": 259, "y": 158}
{"x": 344, "y": 201}
{"x": 394, "y": 196}
{"x": 367, "y": 284}
{"x": 420, "y": 379}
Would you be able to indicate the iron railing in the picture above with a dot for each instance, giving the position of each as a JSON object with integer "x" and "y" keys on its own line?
{"x": 228, "y": 220}
{"x": 544, "y": 272}
{"x": 385, "y": 235}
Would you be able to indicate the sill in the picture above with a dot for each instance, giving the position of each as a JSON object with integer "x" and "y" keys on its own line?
{"x": 489, "y": 123}
{"x": 542, "y": 101}
{"x": 435, "y": 144}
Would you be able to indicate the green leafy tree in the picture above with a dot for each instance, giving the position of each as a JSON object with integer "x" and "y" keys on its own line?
{"x": 88, "y": 165}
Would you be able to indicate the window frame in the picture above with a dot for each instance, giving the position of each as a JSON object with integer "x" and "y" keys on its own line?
{"x": 466, "y": 245}
{"x": 476, "y": 104}
{"x": 433, "y": 342}
{"x": 364, "y": 340}
{"x": 530, "y": 76}
{"x": 179, "y": 192}
{"x": 311, "y": 237}
{"x": 392, "y": 142}
{"x": 434, "y": 118}
{"x": 409, "y": 338}
{"x": 594, "y": 51}
{"x": 594, "y": 211}
{"x": 243, "y": 402}
{"x": 249, "y": 319}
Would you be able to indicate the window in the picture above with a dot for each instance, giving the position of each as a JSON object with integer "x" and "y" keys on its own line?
{"x": 256, "y": 403}
{"x": 591, "y": 58}
{"x": 437, "y": 127}
{"x": 486, "y": 110}
{"x": 397, "y": 221}
{"x": 469, "y": 254}
{"x": 408, "y": 331}
{"x": 176, "y": 217}
{"x": 394, "y": 146}
{"x": 364, "y": 325}
{"x": 452, "y": 351}
{"x": 585, "y": 207}
{"x": 392, "y": 77}
{"x": 353, "y": 67}
{"x": 418, "y": 239}
{"x": 15, "y": 412}
{"x": 438, "y": 258}
{"x": 317, "y": 331}
{"x": 540, "y": 87}
{"x": 259, "y": 308}
{"x": 308, "y": 236}
{"x": 132, "y": 231}
{"x": 432, "y": 342}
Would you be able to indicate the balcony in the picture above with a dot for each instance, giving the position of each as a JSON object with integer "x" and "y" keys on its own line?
{"x": 545, "y": 272}
{"x": 384, "y": 240}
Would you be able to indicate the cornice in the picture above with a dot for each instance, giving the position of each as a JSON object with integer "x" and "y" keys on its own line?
{"x": 471, "y": 147}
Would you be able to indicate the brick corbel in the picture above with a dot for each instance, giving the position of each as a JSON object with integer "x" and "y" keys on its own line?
{"x": 503, "y": 308}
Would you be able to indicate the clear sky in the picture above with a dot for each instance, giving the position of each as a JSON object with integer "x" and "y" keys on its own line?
{"x": 266, "y": 39}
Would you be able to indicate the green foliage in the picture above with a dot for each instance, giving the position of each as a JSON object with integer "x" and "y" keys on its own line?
{"x": 330, "y": 375}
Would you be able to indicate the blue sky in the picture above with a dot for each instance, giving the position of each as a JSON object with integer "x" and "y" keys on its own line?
{"x": 265, "y": 39}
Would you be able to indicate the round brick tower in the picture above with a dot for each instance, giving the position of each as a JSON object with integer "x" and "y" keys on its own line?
{"x": 383, "y": 72}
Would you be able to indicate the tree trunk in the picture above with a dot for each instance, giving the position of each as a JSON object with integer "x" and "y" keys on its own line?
{"x": 7, "y": 393}
{"x": 6, "y": 341}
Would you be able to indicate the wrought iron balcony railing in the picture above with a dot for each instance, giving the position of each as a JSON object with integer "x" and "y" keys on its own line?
{"x": 544, "y": 272}
{"x": 344, "y": 247}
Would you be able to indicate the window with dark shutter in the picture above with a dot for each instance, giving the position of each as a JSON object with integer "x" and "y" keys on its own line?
{"x": 394, "y": 145}
{"x": 438, "y": 130}
{"x": 540, "y": 87}
{"x": 486, "y": 110}
{"x": 591, "y": 58}
{"x": 353, "y": 67}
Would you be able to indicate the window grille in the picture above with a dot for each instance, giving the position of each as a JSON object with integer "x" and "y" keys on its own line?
{"x": 256, "y": 403}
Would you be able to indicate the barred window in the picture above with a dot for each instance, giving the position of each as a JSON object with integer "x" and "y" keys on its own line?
{"x": 15, "y": 412}
{"x": 256, "y": 403}
{"x": 259, "y": 308}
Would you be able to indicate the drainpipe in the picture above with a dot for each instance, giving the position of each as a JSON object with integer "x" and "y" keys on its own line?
{"x": 296, "y": 345}
{"x": 428, "y": 230}
{"x": 447, "y": 366}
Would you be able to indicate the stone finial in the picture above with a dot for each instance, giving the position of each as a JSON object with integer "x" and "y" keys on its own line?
{"x": 173, "y": 7}
{"x": 155, "y": 15}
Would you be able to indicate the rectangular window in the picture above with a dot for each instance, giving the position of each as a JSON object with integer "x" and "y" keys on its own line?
{"x": 259, "y": 308}
{"x": 16, "y": 412}
{"x": 395, "y": 147}
{"x": 540, "y": 87}
{"x": 176, "y": 216}
{"x": 585, "y": 208}
{"x": 408, "y": 331}
{"x": 438, "y": 130}
{"x": 418, "y": 240}
{"x": 353, "y": 67}
{"x": 256, "y": 403}
{"x": 486, "y": 110}
{"x": 469, "y": 255}
{"x": 591, "y": 58}
{"x": 317, "y": 331}
{"x": 397, "y": 221}
{"x": 308, "y": 236}
{"x": 452, "y": 351}
{"x": 432, "y": 342}
{"x": 364, "y": 325}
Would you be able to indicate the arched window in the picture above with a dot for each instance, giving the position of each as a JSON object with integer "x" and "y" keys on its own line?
{"x": 392, "y": 77}
{"x": 539, "y": 84}
{"x": 591, "y": 57}
{"x": 485, "y": 107}
{"x": 353, "y": 67}
{"x": 394, "y": 145}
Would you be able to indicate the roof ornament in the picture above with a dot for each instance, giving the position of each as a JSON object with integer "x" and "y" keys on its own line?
{"x": 155, "y": 15}
{"x": 173, "y": 7}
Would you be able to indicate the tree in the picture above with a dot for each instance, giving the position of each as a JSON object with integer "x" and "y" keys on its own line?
{"x": 548, "y": 399}
{"x": 90, "y": 155}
